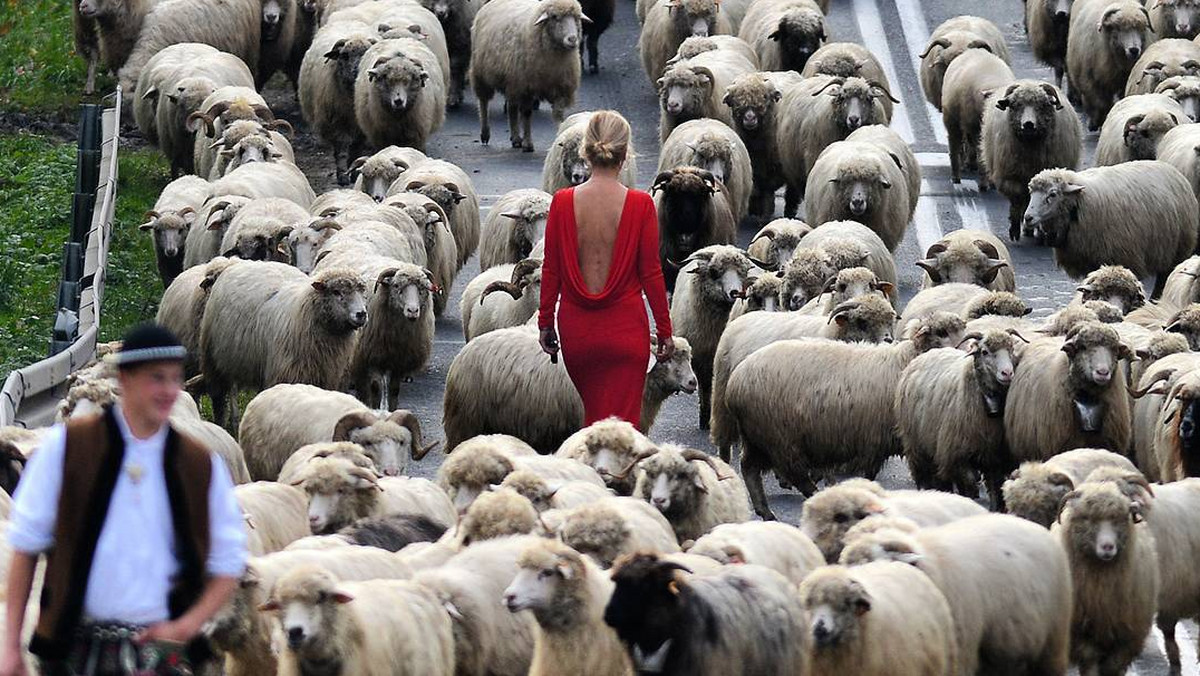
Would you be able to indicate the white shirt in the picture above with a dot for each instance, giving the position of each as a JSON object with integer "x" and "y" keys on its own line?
{"x": 135, "y": 558}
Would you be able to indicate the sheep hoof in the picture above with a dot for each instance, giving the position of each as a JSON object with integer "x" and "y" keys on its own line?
{"x": 518, "y": 143}
{"x": 594, "y": 68}
{"x": 528, "y": 147}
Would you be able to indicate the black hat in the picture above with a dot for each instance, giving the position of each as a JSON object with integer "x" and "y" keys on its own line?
{"x": 149, "y": 342}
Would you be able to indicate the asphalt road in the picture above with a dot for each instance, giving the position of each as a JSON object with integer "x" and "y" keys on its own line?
{"x": 896, "y": 32}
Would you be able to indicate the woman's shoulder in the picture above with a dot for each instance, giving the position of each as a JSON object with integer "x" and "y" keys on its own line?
{"x": 563, "y": 194}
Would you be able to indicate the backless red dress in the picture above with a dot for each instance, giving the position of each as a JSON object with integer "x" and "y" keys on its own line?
{"x": 605, "y": 337}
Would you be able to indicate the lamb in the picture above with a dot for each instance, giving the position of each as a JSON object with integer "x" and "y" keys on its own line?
{"x": 564, "y": 166}
{"x": 546, "y": 494}
{"x": 399, "y": 97}
{"x": 232, "y": 28}
{"x": 693, "y": 213}
{"x": 969, "y": 397}
{"x": 374, "y": 627}
{"x": 694, "y": 498}
{"x": 275, "y": 515}
{"x": 514, "y": 224}
{"x": 669, "y": 22}
{"x": 744, "y": 619}
{"x": 1085, "y": 217}
{"x": 816, "y": 113}
{"x": 855, "y": 180}
{"x": 1026, "y": 129}
{"x": 966, "y": 88}
{"x": 969, "y": 257}
{"x": 1099, "y": 61}
{"x": 1134, "y": 126}
{"x": 949, "y": 41}
{"x": 1114, "y": 568}
{"x": 1168, "y": 57}
{"x": 285, "y": 417}
{"x": 712, "y": 279}
{"x": 1035, "y": 490}
{"x": 829, "y": 514}
{"x": 567, "y": 593}
{"x": 775, "y": 243}
{"x": 866, "y": 318}
{"x": 339, "y": 492}
{"x": 607, "y": 529}
{"x": 851, "y": 429}
{"x": 173, "y": 214}
{"x": 484, "y": 310}
{"x": 1046, "y": 22}
{"x": 691, "y": 89}
{"x": 1178, "y": 148}
{"x": 542, "y": 65}
{"x": 713, "y": 146}
{"x": 397, "y": 341}
{"x": 182, "y": 307}
{"x": 483, "y": 461}
{"x": 1069, "y": 394}
{"x": 374, "y": 174}
{"x": 784, "y": 33}
{"x": 268, "y": 323}
{"x": 452, "y": 190}
{"x": 753, "y": 102}
{"x": 611, "y": 447}
{"x": 778, "y": 546}
{"x": 327, "y": 81}
{"x": 1028, "y": 628}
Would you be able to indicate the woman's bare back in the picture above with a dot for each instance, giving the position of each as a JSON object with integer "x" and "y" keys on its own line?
{"x": 598, "y": 208}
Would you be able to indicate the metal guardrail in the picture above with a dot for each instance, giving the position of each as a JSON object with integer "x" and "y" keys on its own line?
{"x": 30, "y": 394}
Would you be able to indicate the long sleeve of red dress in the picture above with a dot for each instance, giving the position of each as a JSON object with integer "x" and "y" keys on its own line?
{"x": 605, "y": 336}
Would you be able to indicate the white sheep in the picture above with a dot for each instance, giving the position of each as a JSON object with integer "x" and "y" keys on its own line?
{"x": 969, "y": 256}
{"x": 260, "y": 227}
{"x": 668, "y": 22}
{"x": 852, "y": 244}
{"x": 564, "y": 165}
{"x": 1185, "y": 90}
{"x": 1104, "y": 40}
{"x": 452, "y": 190}
{"x": 1134, "y": 127}
{"x": 339, "y": 492}
{"x": 275, "y": 515}
{"x": 949, "y": 41}
{"x": 481, "y": 462}
{"x": 784, "y": 33}
{"x": 267, "y": 179}
{"x": 778, "y": 546}
{"x": 610, "y": 446}
{"x": 182, "y": 307}
{"x": 399, "y": 94}
{"x": 694, "y": 88}
{"x": 694, "y": 490}
{"x": 327, "y": 76}
{"x": 545, "y": 494}
{"x": 966, "y": 88}
{"x": 374, "y": 174}
{"x": 611, "y": 527}
{"x": 1166, "y": 58}
{"x": 513, "y": 226}
{"x": 484, "y": 310}
{"x": 860, "y": 181}
{"x": 1175, "y": 19}
{"x": 441, "y": 251}
{"x": 170, "y": 220}
{"x": 1178, "y": 148}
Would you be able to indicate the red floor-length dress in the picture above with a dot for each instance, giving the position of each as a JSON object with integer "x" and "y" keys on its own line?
{"x": 605, "y": 336}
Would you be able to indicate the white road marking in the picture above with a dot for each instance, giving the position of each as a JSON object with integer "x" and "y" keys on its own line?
{"x": 870, "y": 25}
{"x": 916, "y": 34}
{"x": 928, "y": 226}
{"x": 1185, "y": 637}
{"x": 933, "y": 159}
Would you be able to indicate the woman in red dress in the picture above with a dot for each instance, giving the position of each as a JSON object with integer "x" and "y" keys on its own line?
{"x": 601, "y": 254}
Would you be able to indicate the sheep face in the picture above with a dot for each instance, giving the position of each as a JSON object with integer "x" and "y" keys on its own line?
{"x": 799, "y": 33}
{"x": 1187, "y": 324}
{"x": 1143, "y": 132}
{"x": 574, "y": 168}
{"x": 444, "y": 10}
{"x": 959, "y": 262}
{"x": 940, "y": 329}
{"x": 1181, "y": 18}
{"x": 190, "y": 93}
{"x": 346, "y": 55}
{"x": 751, "y": 100}
{"x": 804, "y": 276}
{"x": 232, "y": 626}
{"x": 275, "y": 14}
{"x": 445, "y": 195}
{"x": 695, "y": 18}
{"x": 1052, "y": 198}
{"x": 1187, "y": 427}
{"x": 1125, "y": 32}
{"x": 1094, "y": 350}
{"x": 827, "y": 516}
{"x": 722, "y": 274}
{"x": 305, "y": 242}
{"x": 378, "y": 174}
{"x": 854, "y": 103}
{"x": 544, "y": 575}
{"x": 994, "y": 366}
{"x": 1157, "y": 72}
{"x": 1116, "y": 285}
{"x": 713, "y": 154}
{"x": 646, "y": 607}
{"x": 851, "y": 283}
{"x": 763, "y": 294}
{"x": 1030, "y": 110}
{"x": 609, "y": 447}
{"x": 1185, "y": 91}
{"x": 338, "y": 493}
{"x": 341, "y": 301}
{"x": 398, "y": 82}
{"x": 264, "y": 239}
{"x": 859, "y": 189}
{"x": 532, "y": 487}
{"x": 868, "y": 318}
{"x": 406, "y": 291}
{"x": 559, "y": 26}
{"x": 170, "y": 230}
{"x": 385, "y": 442}
{"x": 676, "y": 374}
{"x": 1099, "y": 522}
{"x": 306, "y": 601}
{"x": 783, "y": 238}
{"x": 529, "y": 222}
{"x": 251, "y": 149}
{"x": 465, "y": 476}
{"x": 1059, "y": 11}
{"x": 1035, "y": 491}
{"x": 683, "y": 91}
{"x": 671, "y": 484}
{"x": 687, "y": 192}
{"x": 92, "y": 9}
{"x": 836, "y": 603}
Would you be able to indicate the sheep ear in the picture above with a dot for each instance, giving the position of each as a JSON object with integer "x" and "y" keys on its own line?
{"x": 1057, "y": 479}
{"x": 565, "y": 569}
{"x": 775, "y": 35}
{"x": 339, "y": 596}
{"x": 862, "y": 605}
{"x": 1070, "y": 347}
{"x": 994, "y": 266}
{"x": 885, "y": 287}
{"x": 424, "y": 78}
{"x": 1072, "y": 188}
{"x": 318, "y": 285}
{"x": 887, "y": 185}
{"x": 542, "y": 18}
{"x": 269, "y": 607}
{"x": 698, "y": 482}
{"x": 911, "y": 558}
{"x": 372, "y": 74}
{"x": 1002, "y": 104}
{"x": 146, "y": 227}
{"x": 1067, "y": 499}
{"x": 734, "y": 553}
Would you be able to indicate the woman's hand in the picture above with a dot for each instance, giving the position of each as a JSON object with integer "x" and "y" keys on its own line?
{"x": 666, "y": 349}
{"x": 548, "y": 339}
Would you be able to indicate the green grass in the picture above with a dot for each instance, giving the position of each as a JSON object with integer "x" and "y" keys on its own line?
{"x": 39, "y": 70}
{"x": 37, "y": 176}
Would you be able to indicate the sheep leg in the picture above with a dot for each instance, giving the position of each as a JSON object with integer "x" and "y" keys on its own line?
{"x": 89, "y": 87}
{"x": 791, "y": 201}
{"x": 752, "y": 474}
{"x": 1160, "y": 283}
{"x": 485, "y": 129}
{"x": 955, "y": 141}
{"x": 994, "y": 481}
{"x": 705, "y": 396}
{"x": 1058, "y": 77}
{"x": 593, "y": 49}
{"x": 1016, "y": 214}
{"x": 341, "y": 163}
{"x": 527, "y": 122}
{"x": 514, "y": 123}
{"x": 1167, "y": 627}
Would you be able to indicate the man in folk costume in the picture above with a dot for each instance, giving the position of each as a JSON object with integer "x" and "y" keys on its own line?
{"x": 142, "y": 537}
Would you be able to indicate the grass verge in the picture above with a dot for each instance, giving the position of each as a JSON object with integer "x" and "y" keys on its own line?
{"x": 37, "y": 176}
{"x": 39, "y": 70}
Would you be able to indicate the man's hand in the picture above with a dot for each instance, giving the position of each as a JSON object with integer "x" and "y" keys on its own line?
{"x": 666, "y": 349}
{"x": 548, "y": 339}
{"x": 12, "y": 664}
{"x": 172, "y": 631}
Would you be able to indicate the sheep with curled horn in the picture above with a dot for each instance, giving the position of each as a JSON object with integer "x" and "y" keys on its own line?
{"x": 695, "y": 491}
{"x": 969, "y": 257}
{"x": 501, "y": 297}
{"x": 775, "y": 243}
{"x": 1186, "y": 91}
{"x": 948, "y": 41}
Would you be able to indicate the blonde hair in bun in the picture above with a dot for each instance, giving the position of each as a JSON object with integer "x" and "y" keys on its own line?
{"x": 606, "y": 139}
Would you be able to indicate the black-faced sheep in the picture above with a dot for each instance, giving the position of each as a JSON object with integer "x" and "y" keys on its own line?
{"x": 1031, "y": 626}
{"x": 1134, "y": 126}
{"x": 340, "y": 492}
{"x": 694, "y": 490}
{"x": 117, "y": 24}
{"x": 567, "y": 593}
{"x": 1166, "y": 58}
{"x": 948, "y": 41}
{"x": 327, "y": 77}
{"x": 1088, "y": 219}
{"x": 1114, "y": 569}
{"x": 744, "y": 619}
{"x": 711, "y": 280}
{"x": 713, "y": 146}
{"x": 1026, "y": 129}
{"x": 1046, "y": 22}
{"x": 528, "y": 51}
{"x": 854, "y": 612}
{"x": 399, "y": 94}
{"x": 1069, "y": 394}
{"x": 753, "y": 102}
{"x": 269, "y": 323}
{"x": 968, "y": 395}
{"x": 669, "y": 22}
{"x": 693, "y": 213}
{"x": 1104, "y": 40}
{"x": 861, "y": 181}
{"x": 784, "y": 33}
{"x": 281, "y": 24}
{"x": 1035, "y": 490}
{"x": 564, "y": 166}
{"x": 966, "y": 87}
{"x": 969, "y": 257}
{"x": 514, "y": 224}
{"x": 692, "y": 89}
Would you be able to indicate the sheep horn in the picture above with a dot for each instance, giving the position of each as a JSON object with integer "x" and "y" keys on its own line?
{"x": 842, "y": 309}
{"x": 350, "y": 422}
{"x": 217, "y": 109}
{"x": 935, "y": 249}
{"x": 762, "y": 264}
{"x": 1159, "y": 377}
{"x": 882, "y": 91}
{"x": 366, "y": 475}
{"x": 692, "y": 454}
{"x": 834, "y": 81}
{"x": 507, "y": 287}
{"x": 940, "y": 42}
{"x": 986, "y": 247}
{"x": 322, "y": 224}
{"x": 152, "y": 214}
{"x": 974, "y": 335}
{"x": 408, "y": 419}
{"x": 1052, "y": 92}
{"x": 277, "y": 125}
{"x": 524, "y": 267}
{"x": 1017, "y": 334}
{"x": 637, "y": 457}
{"x": 385, "y": 277}
{"x": 769, "y": 233}
{"x": 263, "y": 112}
{"x": 209, "y": 130}
{"x": 661, "y": 181}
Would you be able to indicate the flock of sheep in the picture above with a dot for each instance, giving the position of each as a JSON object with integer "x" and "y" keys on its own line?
{"x": 545, "y": 548}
